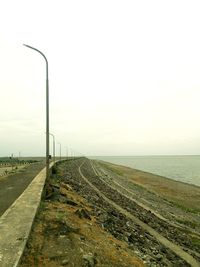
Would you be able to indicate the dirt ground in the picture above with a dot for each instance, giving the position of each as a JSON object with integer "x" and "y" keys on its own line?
{"x": 4, "y": 170}
{"x": 65, "y": 234}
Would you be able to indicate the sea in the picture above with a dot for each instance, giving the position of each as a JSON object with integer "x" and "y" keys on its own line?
{"x": 180, "y": 168}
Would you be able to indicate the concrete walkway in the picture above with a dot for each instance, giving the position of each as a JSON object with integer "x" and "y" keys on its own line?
{"x": 16, "y": 222}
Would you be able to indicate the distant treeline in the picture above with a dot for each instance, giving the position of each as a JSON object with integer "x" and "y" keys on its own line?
{"x": 16, "y": 160}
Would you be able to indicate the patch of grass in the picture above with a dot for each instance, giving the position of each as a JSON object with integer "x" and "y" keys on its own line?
{"x": 191, "y": 224}
{"x": 196, "y": 241}
{"x": 109, "y": 167}
{"x": 36, "y": 259}
{"x": 54, "y": 169}
{"x": 21, "y": 170}
{"x": 186, "y": 209}
{"x": 42, "y": 205}
{"x": 60, "y": 215}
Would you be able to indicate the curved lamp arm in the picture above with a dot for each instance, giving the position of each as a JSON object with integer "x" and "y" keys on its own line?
{"x": 47, "y": 109}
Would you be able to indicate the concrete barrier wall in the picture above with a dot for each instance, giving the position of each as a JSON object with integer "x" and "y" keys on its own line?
{"x": 17, "y": 221}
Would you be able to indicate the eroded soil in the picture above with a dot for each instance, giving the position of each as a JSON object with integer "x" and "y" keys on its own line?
{"x": 66, "y": 233}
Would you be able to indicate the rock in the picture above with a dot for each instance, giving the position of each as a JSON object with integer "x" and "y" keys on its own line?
{"x": 65, "y": 229}
{"x": 64, "y": 262}
{"x": 83, "y": 213}
{"x": 125, "y": 238}
{"x": 132, "y": 238}
{"x": 82, "y": 238}
{"x": 66, "y": 186}
{"x": 71, "y": 202}
{"x": 52, "y": 192}
{"x": 60, "y": 228}
{"x": 61, "y": 199}
{"x": 89, "y": 260}
{"x": 159, "y": 257}
{"x": 65, "y": 200}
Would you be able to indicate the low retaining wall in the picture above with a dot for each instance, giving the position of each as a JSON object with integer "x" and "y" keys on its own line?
{"x": 17, "y": 221}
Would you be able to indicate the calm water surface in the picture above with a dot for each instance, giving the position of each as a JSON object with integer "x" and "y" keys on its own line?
{"x": 181, "y": 168}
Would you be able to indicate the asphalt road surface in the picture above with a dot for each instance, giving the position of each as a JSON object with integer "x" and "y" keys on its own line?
{"x": 12, "y": 186}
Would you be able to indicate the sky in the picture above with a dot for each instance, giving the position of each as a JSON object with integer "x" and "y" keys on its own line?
{"x": 124, "y": 76}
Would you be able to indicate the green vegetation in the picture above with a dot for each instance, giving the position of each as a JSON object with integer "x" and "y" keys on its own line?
{"x": 54, "y": 170}
{"x": 191, "y": 224}
{"x": 196, "y": 241}
{"x": 9, "y": 160}
{"x": 109, "y": 167}
{"x": 60, "y": 215}
{"x": 186, "y": 209}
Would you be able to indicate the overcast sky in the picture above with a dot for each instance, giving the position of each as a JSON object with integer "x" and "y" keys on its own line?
{"x": 124, "y": 76}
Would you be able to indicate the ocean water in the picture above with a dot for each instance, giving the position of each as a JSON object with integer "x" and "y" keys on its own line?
{"x": 181, "y": 168}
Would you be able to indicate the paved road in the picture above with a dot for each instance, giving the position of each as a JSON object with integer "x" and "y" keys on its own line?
{"x": 12, "y": 186}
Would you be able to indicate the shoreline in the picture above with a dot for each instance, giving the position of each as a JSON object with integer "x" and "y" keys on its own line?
{"x": 181, "y": 168}
{"x": 168, "y": 188}
{"x": 154, "y": 174}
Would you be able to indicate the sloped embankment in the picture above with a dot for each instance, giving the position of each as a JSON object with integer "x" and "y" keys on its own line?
{"x": 101, "y": 213}
{"x": 66, "y": 231}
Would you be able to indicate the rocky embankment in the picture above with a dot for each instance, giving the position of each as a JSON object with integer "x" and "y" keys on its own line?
{"x": 137, "y": 239}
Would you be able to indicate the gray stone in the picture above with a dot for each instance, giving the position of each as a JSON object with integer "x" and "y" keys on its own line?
{"x": 89, "y": 260}
{"x": 64, "y": 262}
{"x": 83, "y": 213}
{"x": 159, "y": 257}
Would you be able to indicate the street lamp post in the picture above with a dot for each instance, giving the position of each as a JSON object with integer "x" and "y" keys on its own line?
{"x": 66, "y": 152}
{"x": 54, "y": 145}
{"x": 60, "y": 150}
{"x": 47, "y": 110}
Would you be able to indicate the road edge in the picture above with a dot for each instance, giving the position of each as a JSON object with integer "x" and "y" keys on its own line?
{"x": 16, "y": 222}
